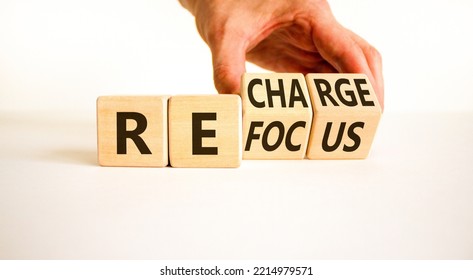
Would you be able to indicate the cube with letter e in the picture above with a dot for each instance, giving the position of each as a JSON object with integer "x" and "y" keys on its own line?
{"x": 205, "y": 131}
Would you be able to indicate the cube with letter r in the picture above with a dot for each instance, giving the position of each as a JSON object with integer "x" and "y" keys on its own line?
{"x": 132, "y": 131}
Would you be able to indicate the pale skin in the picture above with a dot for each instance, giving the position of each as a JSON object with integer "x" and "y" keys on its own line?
{"x": 299, "y": 36}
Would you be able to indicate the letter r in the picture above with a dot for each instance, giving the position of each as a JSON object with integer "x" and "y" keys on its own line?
{"x": 123, "y": 133}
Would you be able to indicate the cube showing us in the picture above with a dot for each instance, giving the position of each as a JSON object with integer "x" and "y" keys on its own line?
{"x": 205, "y": 131}
{"x": 346, "y": 115}
{"x": 132, "y": 131}
{"x": 277, "y": 115}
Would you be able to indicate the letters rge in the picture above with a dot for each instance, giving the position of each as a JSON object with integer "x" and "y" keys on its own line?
{"x": 279, "y": 116}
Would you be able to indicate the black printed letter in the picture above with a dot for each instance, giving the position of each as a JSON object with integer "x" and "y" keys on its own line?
{"x": 123, "y": 134}
{"x": 198, "y": 133}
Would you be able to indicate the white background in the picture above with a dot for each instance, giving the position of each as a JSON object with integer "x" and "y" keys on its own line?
{"x": 58, "y": 54}
{"x": 412, "y": 198}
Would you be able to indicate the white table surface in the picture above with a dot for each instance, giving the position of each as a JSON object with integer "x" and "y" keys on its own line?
{"x": 412, "y": 198}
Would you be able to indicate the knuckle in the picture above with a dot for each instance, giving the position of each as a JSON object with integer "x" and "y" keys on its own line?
{"x": 374, "y": 53}
{"x": 223, "y": 79}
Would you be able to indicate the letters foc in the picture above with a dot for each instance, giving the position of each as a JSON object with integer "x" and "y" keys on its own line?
{"x": 277, "y": 114}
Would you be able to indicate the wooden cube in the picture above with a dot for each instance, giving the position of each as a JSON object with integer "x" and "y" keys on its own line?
{"x": 132, "y": 131}
{"x": 205, "y": 131}
{"x": 346, "y": 115}
{"x": 277, "y": 116}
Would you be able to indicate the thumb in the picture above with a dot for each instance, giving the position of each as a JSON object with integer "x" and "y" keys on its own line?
{"x": 348, "y": 53}
{"x": 228, "y": 59}
{"x": 338, "y": 48}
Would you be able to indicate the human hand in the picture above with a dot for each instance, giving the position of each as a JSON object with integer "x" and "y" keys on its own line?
{"x": 283, "y": 36}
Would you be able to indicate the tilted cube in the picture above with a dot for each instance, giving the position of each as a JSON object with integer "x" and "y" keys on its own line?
{"x": 346, "y": 115}
{"x": 277, "y": 115}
